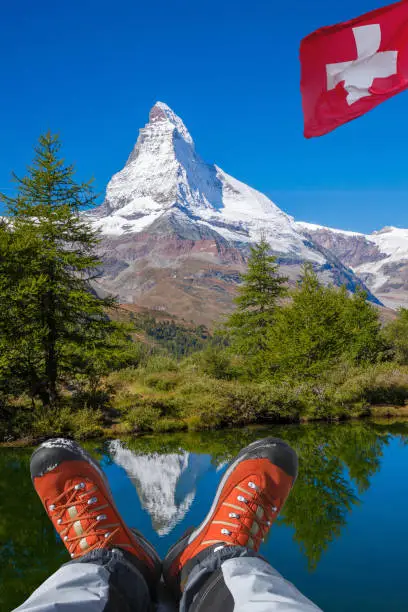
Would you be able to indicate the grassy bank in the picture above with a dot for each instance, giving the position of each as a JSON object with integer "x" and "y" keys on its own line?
{"x": 170, "y": 396}
{"x": 165, "y": 395}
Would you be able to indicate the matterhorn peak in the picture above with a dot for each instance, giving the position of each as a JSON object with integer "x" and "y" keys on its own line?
{"x": 161, "y": 112}
{"x": 166, "y": 184}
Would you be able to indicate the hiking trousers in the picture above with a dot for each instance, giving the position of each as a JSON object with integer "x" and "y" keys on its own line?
{"x": 231, "y": 578}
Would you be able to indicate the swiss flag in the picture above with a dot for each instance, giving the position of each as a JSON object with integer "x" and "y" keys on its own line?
{"x": 349, "y": 68}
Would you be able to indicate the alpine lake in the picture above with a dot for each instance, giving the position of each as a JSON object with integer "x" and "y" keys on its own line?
{"x": 342, "y": 537}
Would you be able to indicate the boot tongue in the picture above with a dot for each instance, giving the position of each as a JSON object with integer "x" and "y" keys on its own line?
{"x": 80, "y": 509}
{"x": 78, "y": 528}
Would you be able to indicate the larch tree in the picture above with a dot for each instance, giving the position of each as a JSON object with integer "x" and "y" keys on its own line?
{"x": 51, "y": 321}
{"x": 257, "y": 300}
{"x": 321, "y": 327}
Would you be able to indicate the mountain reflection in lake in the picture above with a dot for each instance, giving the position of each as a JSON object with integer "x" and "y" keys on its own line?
{"x": 165, "y": 482}
{"x": 341, "y": 537}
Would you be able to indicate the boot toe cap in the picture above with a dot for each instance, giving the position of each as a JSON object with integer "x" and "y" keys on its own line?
{"x": 52, "y": 453}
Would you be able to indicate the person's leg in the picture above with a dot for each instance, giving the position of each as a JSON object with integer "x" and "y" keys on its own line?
{"x": 216, "y": 567}
{"x": 112, "y": 567}
{"x": 102, "y": 581}
{"x": 235, "y": 579}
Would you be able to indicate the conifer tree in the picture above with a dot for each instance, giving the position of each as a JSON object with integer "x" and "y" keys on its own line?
{"x": 396, "y": 335}
{"x": 322, "y": 326}
{"x": 262, "y": 287}
{"x": 49, "y": 316}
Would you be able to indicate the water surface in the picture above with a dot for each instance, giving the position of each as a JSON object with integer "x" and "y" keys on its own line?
{"x": 342, "y": 537}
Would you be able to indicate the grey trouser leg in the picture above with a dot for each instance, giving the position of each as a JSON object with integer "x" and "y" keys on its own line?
{"x": 103, "y": 581}
{"x": 234, "y": 579}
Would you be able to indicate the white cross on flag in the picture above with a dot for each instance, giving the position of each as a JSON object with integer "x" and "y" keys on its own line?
{"x": 349, "y": 68}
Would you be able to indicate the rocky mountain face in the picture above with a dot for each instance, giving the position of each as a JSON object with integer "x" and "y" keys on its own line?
{"x": 380, "y": 259}
{"x": 176, "y": 231}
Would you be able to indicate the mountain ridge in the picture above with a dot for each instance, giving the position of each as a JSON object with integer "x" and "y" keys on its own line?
{"x": 380, "y": 259}
{"x": 176, "y": 231}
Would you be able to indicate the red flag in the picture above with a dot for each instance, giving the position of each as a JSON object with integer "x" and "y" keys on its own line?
{"x": 349, "y": 68}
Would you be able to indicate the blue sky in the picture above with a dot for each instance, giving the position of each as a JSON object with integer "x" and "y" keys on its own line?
{"x": 91, "y": 70}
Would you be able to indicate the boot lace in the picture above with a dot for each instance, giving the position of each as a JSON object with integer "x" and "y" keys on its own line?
{"x": 254, "y": 504}
{"x": 78, "y": 517}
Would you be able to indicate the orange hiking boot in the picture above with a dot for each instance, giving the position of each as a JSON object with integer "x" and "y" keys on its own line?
{"x": 76, "y": 496}
{"x": 247, "y": 502}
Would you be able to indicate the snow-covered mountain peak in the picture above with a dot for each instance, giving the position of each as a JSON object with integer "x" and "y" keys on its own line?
{"x": 166, "y": 483}
{"x": 149, "y": 184}
{"x": 161, "y": 112}
{"x": 165, "y": 179}
{"x": 385, "y": 230}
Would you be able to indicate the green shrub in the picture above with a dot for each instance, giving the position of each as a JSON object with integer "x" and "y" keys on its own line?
{"x": 38, "y": 422}
{"x": 165, "y": 425}
{"x": 95, "y": 399}
{"x": 65, "y": 421}
{"x": 385, "y": 383}
{"x": 217, "y": 363}
{"x": 120, "y": 377}
{"x": 396, "y": 336}
{"x": 163, "y": 382}
{"x": 160, "y": 363}
{"x": 194, "y": 422}
{"x": 143, "y": 418}
{"x": 126, "y": 401}
{"x": 16, "y": 421}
